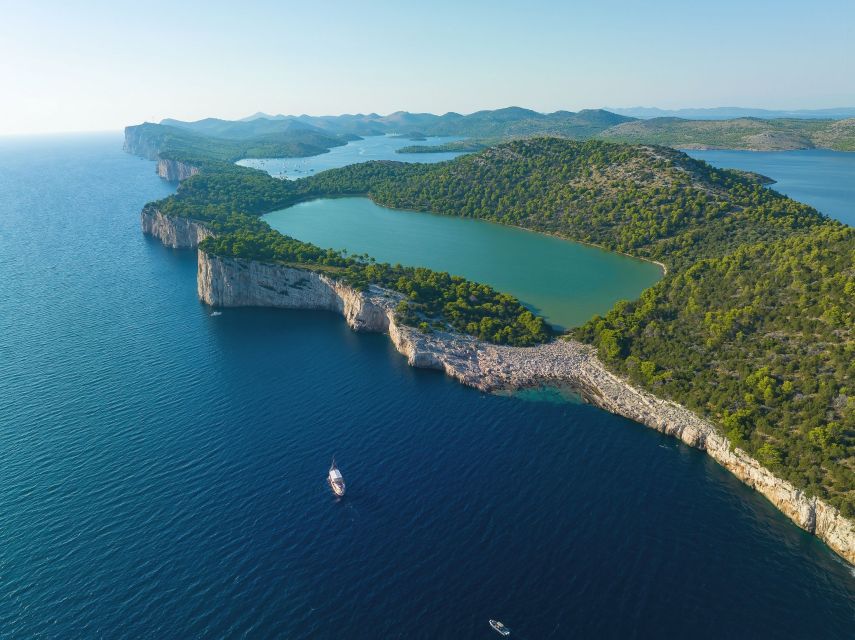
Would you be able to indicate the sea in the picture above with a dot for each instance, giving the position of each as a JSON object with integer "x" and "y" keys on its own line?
{"x": 821, "y": 178}
{"x": 162, "y": 467}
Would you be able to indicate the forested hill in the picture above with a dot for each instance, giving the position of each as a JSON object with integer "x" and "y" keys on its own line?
{"x": 653, "y": 202}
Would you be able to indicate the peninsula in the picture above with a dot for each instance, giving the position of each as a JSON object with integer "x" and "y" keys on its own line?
{"x": 743, "y": 349}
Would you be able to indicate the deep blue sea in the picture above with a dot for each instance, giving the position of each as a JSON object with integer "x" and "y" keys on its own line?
{"x": 162, "y": 470}
{"x": 821, "y": 178}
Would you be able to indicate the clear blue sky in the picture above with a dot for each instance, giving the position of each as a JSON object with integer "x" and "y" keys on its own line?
{"x": 67, "y": 66}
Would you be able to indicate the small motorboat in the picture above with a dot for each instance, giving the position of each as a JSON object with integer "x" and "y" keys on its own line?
{"x": 336, "y": 480}
{"x": 500, "y": 628}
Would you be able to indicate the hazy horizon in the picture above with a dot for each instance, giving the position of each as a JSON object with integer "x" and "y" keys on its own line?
{"x": 197, "y": 60}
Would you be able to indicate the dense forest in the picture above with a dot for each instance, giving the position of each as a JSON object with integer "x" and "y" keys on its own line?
{"x": 752, "y": 327}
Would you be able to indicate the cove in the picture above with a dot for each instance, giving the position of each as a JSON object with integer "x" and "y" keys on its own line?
{"x": 567, "y": 282}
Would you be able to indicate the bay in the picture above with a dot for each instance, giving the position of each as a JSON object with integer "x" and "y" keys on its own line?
{"x": 363, "y": 150}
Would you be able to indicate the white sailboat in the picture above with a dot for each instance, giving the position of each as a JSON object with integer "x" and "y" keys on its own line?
{"x": 336, "y": 480}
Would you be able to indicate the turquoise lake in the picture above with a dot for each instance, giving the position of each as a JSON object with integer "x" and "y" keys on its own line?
{"x": 370, "y": 148}
{"x": 566, "y": 282}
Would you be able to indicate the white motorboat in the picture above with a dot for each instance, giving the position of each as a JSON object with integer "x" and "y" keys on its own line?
{"x": 500, "y": 628}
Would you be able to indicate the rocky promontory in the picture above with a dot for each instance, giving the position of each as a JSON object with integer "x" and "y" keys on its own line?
{"x": 140, "y": 143}
{"x": 229, "y": 282}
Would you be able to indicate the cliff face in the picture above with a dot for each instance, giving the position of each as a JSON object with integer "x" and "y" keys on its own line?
{"x": 174, "y": 170}
{"x": 224, "y": 282}
{"x": 138, "y": 144}
{"x": 178, "y": 233}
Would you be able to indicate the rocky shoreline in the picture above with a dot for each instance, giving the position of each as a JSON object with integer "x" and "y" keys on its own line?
{"x": 228, "y": 282}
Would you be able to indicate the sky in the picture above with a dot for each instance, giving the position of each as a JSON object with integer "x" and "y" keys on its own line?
{"x": 95, "y": 66}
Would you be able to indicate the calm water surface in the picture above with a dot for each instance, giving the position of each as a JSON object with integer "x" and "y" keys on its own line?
{"x": 162, "y": 470}
{"x": 565, "y": 281}
{"x": 823, "y": 179}
{"x": 370, "y": 148}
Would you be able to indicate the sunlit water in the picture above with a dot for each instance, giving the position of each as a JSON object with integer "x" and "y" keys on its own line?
{"x": 823, "y": 179}
{"x": 370, "y": 148}
{"x": 162, "y": 469}
{"x": 565, "y": 281}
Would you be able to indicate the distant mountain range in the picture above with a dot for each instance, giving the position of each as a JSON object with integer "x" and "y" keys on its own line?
{"x": 490, "y": 124}
{"x": 726, "y": 113}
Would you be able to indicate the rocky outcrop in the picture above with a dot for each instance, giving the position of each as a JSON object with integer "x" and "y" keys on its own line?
{"x": 228, "y": 282}
{"x": 175, "y": 170}
{"x": 175, "y": 232}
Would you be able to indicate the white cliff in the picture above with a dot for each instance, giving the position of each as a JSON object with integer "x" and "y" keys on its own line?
{"x": 228, "y": 282}
{"x": 175, "y": 232}
{"x": 175, "y": 170}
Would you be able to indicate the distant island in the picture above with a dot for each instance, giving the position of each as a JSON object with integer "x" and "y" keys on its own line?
{"x": 263, "y": 136}
{"x": 751, "y": 329}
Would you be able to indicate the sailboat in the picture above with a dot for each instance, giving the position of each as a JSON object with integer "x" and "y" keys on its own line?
{"x": 336, "y": 480}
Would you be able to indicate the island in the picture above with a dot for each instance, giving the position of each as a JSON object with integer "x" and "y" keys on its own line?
{"x": 743, "y": 349}
{"x": 281, "y": 136}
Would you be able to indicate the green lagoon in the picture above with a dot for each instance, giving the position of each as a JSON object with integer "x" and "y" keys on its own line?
{"x": 566, "y": 282}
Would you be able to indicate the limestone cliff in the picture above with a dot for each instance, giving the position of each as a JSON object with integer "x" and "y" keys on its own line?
{"x": 139, "y": 144}
{"x": 226, "y": 282}
{"x": 175, "y": 232}
{"x": 175, "y": 170}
